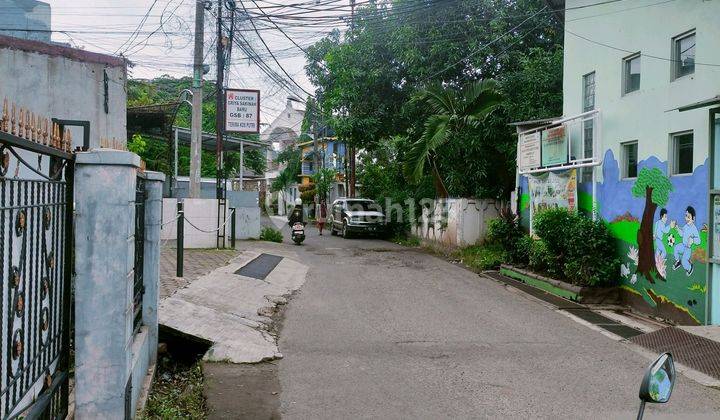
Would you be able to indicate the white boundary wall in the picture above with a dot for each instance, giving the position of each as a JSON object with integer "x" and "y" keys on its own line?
{"x": 456, "y": 221}
{"x": 203, "y": 213}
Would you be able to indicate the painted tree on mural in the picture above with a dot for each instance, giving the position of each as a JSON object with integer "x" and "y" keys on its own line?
{"x": 655, "y": 186}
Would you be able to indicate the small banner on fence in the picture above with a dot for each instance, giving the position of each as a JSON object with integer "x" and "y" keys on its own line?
{"x": 553, "y": 190}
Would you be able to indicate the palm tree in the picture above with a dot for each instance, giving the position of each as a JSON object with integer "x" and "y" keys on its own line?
{"x": 453, "y": 111}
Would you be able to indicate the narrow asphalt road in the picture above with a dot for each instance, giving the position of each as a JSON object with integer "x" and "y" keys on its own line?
{"x": 382, "y": 331}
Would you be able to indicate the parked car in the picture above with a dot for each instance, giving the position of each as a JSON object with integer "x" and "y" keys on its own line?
{"x": 356, "y": 215}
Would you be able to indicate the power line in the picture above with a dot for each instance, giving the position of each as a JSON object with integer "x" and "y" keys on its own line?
{"x": 133, "y": 36}
{"x": 271, "y": 53}
{"x": 278, "y": 28}
{"x": 482, "y": 47}
{"x": 631, "y": 51}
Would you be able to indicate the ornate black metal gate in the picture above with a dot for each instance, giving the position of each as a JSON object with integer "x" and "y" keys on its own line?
{"x": 36, "y": 178}
{"x": 139, "y": 288}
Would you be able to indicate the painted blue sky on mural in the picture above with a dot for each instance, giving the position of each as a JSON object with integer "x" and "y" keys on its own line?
{"x": 615, "y": 198}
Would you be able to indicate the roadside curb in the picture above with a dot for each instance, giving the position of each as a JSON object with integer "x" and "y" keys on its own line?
{"x": 555, "y": 303}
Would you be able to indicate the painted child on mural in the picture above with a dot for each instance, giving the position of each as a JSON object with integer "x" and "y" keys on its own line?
{"x": 690, "y": 237}
{"x": 661, "y": 229}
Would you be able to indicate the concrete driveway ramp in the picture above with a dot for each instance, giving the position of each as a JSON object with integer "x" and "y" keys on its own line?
{"x": 223, "y": 307}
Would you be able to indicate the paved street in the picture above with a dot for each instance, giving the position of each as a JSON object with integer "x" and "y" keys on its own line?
{"x": 381, "y": 331}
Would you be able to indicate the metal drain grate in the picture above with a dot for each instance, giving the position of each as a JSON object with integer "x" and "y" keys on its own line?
{"x": 691, "y": 350}
{"x": 260, "y": 267}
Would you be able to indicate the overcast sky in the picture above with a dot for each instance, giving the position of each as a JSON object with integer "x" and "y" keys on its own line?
{"x": 106, "y": 26}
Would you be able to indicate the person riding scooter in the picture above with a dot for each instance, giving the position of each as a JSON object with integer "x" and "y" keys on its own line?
{"x": 297, "y": 223}
{"x": 297, "y": 215}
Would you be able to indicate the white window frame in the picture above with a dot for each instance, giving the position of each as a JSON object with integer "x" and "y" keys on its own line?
{"x": 624, "y": 172}
{"x": 676, "y": 57}
{"x": 673, "y": 160}
{"x": 583, "y": 93}
{"x": 626, "y": 73}
{"x": 577, "y": 162}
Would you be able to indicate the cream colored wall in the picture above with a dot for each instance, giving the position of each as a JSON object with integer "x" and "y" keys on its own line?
{"x": 645, "y": 115}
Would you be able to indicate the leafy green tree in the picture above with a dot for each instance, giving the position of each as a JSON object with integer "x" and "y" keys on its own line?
{"x": 655, "y": 187}
{"x": 288, "y": 176}
{"x": 323, "y": 180}
{"x": 157, "y": 152}
{"x": 365, "y": 79}
{"x": 453, "y": 112}
{"x": 137, "y": 144}
{"x": 254, "y": 160}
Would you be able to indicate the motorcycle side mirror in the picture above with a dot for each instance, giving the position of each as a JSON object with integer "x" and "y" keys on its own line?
{"x": 658, "y": 382}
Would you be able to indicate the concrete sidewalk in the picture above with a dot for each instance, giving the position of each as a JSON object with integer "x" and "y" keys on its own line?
{"x": 233, "y": 312}
{"x": 198, "y": 262}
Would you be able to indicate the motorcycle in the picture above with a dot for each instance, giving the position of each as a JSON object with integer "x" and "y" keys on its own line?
{"x": 298, "y": 233}
{"x": 657, "y": 384}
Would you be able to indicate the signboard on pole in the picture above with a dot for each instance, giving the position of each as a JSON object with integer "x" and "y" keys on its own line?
{"x": 242, "y": 111}
{"x": 554, "y": 146}
{"x": 529, "y": 151}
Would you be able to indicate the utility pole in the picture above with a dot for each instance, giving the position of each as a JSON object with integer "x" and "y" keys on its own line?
{"x": 351, "y": 149}
{"x": 316, "y": 152}
{"x": 221, "y": 185}
{"x": 197, "y": 98}
{"x": 220, "y": 103}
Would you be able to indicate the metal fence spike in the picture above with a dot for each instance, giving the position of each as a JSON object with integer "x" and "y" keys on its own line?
{"x": 45, "y": 132}
{"x": 33, "y": 127}
{"x": 21, "y": 123}
{"x": 5, "y": 117}
{"x": 27, "y": 124}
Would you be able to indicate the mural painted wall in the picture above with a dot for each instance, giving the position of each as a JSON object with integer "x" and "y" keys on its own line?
{"x": 661, "y": 226}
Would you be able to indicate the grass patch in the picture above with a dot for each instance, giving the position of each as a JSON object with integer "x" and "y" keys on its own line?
{"x": 177, "y": 391}
{"x": 271, "y": 235}
{"x": 406, "y": 240}
{"x": 481, "y": 257}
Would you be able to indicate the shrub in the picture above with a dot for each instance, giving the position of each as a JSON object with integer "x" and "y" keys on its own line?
{"x": 591, "y": 258}
{"x": 504, "y": 232}
{"x": 551, "y": 226}
{"x": 578, "y": 249}
{"x": 271, "y": 235}
{"x": 523, "y": 248}
{"x": 540, "y": 258}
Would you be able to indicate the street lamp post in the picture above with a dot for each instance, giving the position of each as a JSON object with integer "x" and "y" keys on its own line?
{"x": 183, "y": 97}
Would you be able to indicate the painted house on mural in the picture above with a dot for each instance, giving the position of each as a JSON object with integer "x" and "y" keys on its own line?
{"x": 636, "y": 146}
{"x": 332, "y": 155}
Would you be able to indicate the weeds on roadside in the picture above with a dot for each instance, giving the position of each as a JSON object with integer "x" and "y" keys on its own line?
{"x": 481, "y": 257}
{"x": 271, "y": 235}
{"x": 177, "y": 392}
{"x": 406, "y": 240}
